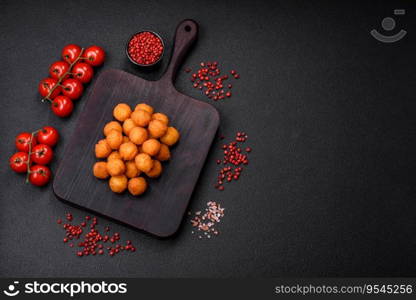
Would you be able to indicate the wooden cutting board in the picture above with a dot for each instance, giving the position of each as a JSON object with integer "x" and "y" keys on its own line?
{"x": 160, "y": 210}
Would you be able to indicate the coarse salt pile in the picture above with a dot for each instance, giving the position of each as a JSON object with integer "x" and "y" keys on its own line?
{"x": 204, "y": 223}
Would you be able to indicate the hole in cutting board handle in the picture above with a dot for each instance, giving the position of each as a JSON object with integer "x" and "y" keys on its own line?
{"x": 185, "y": 36}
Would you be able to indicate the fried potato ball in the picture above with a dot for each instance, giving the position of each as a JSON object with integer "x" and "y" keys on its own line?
{"x": 171, "y": 136}
{"x": 138, "y": 135}
{"x": 151, "y": 147}
{"x": 100, "y": 170}
{"x": 114, "y": 155}
{"x": 122, "y": 111}
{"x": 131, "y": 169}
{"x": 138, "y": 142}
{"x": 102, "y": 149}
{"x": 137, "y": 186}
{"x": 161, "y": 117}
{"x": 113, "y": 125}
{"x": 114, "y": 139}
{"x": 128, "y": 151}
{"x": 128, "y": 125}
{"x": 116, "y": 167}
{"x": 118, "y": 184}
{"x": 164, "y": 153}
{"x": 145, "y": 107}
{"x": 143, "y": 162}
{"x": 156, "y": 170}
{"x": 141, "y": 117}
{"x": 157, "y": 128}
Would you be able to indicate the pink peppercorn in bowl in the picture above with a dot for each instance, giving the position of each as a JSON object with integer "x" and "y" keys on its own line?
{"x": 145, "y": 48}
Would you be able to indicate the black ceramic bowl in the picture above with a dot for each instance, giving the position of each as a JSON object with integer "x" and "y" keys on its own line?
{"x": 142, "y": 65}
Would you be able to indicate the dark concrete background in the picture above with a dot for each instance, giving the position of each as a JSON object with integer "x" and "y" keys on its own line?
{"x": 330, "y": 189}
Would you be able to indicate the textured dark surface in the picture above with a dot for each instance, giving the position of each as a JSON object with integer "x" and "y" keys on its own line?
{"x": 330, "y": 189}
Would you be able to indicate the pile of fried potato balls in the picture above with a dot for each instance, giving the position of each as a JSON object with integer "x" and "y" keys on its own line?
{"x": 134, "y": 145}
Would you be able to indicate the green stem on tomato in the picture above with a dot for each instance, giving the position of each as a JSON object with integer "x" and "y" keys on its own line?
{"x": 63, "y": 76}
{"x": 47, "y": 99}
{"x": 30, "y": 153}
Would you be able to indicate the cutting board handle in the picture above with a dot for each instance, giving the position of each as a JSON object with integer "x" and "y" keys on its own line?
{"x": 186, "y": 34}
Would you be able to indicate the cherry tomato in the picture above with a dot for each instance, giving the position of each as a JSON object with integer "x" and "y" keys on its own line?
{"x": 62, "y": 106}
{"x": 18, "y": 162}
{"x": 71, "y": 52}
{"x": 95, "y": 55}
{"x": 22, "y": 142}
{"x": 39, "y": 175}
{"x": 46, "y": 85}
{"x": 83, "y": 72}
{"x": 48, "y": 136}
{"x": 72, "y": 88}
{"x": 58, "y": 68}
{"x": 41, "y": 154}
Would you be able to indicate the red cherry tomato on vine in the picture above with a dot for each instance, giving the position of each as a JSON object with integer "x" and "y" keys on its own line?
{"x": 41, "y": 154}
{"x": 58, "y": 68}
{"x": 83, "y": 72}
{"x": 72, "y": 88}
{"x": 18, "y": 162}
{"x": 48, "y": 136}
{"x": 39, "y": 175}
{"x": 46, "y": 85}
{"x": 94, "y": 55}
{"x": 62, "y": 106}
{"x": 22, "y": 141}
{"x": 71, "y": 52}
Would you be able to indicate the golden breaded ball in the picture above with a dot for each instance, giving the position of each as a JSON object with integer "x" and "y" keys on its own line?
{"x": 138, "y": 135}
{"x": 100, "y": 170}
{"x": 122, "y": 112}
{"x": 151, "y": 147}
{"x": 131, "y": 169}
{"x": 113, "y": 125}
{"x": 145, "y": 107}
{"x": 141, "y": 117}
{"x": 161, "y": 117}
{"x": 156, "y": 170}
{"x": 171, "y": 136}
{"x": 114, "y": 139}
{"x": 143, "y": 162}
{"x": 164, "y": 153}
{"x": 128, "y": 125}
{"x": 157, "y": 128}
{"x": 137, "y": 186}
{"x": 114, "y": 155}
{"x": 116, "y": 167}
{"x": 128, "y": 151}
{"x": 126, "y": 139}
{"x": 102, "y": 149}
{"x": 118, "y": 184}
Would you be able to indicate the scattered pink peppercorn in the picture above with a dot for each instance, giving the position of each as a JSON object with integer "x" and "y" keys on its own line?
{"x": 209, "y": 80}
{"x": 233, "y": 158}
{"x": 92, "y": 240}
